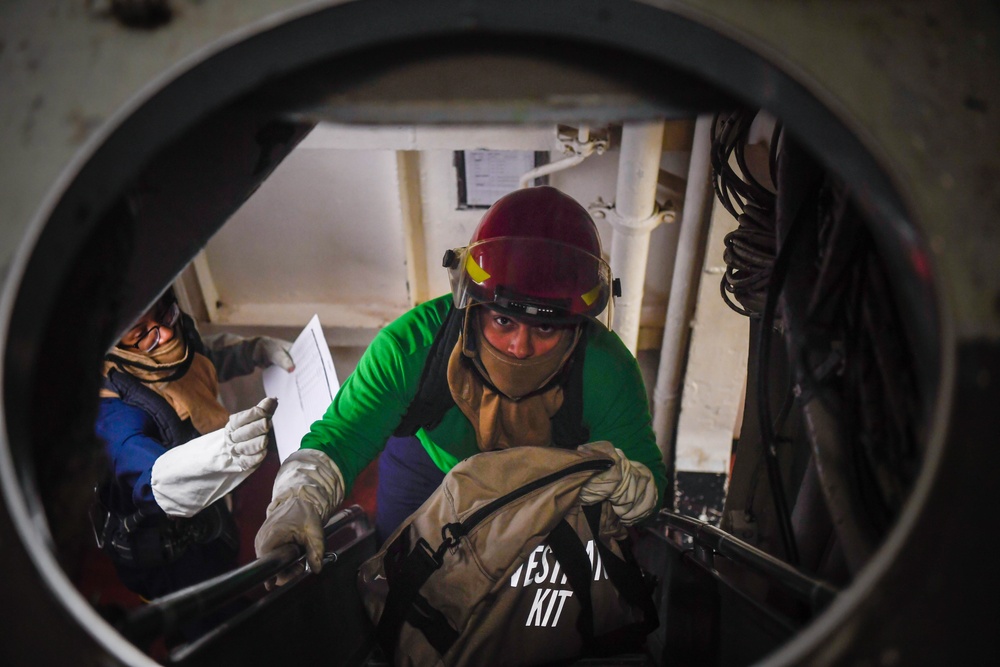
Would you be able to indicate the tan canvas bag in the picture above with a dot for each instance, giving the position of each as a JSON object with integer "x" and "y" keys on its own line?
{"x": 471, "y": 577}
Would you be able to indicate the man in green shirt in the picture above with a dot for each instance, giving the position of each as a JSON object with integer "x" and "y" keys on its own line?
{"x": 516, "y": 356}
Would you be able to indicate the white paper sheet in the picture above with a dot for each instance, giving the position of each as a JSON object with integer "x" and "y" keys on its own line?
{"x": 305, "y": 393}
{"x": 490, "y": 175}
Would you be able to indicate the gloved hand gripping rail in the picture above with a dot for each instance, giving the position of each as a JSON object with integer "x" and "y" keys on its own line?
{"x": 307, "y": 489}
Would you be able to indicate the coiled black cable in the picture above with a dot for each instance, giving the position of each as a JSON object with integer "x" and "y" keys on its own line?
{"x": 750, "y": 249}
{"x": 749, "y": 258}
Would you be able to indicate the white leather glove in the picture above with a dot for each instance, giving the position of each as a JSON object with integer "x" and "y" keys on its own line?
{"x": 272, "y": 352}
{"x": 628, "y": 485}
{"x": 307, "y": 488}
{"x": 188, "y": 478}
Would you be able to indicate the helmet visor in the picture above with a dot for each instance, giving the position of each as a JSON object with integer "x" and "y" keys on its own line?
{"x": 534, "y": 278}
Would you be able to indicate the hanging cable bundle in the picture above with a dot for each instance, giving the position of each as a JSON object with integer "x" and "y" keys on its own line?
{"x": 749, "y": 256}
{"x": 750, "y": 249}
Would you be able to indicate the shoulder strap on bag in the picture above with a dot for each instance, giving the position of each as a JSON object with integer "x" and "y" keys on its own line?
{"x": 405, "y": 603}
{"x": 624, "y": 573}
{"x": 572, "y": 557}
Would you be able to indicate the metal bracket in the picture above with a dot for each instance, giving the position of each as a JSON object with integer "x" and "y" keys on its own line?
{"x": 582, "y": 141}
{"x": 601, "y": 210}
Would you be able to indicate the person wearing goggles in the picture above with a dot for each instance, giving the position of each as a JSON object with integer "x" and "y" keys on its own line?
{"x": 519, "y": 354}
{"x": 174, "y": 450}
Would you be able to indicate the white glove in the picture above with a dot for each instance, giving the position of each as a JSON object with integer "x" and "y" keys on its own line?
{"x": 188, "y": 478}
{"x": 628, "y": 485}
{"x": 307, "y": 488}
{"x": 272, "y": 352}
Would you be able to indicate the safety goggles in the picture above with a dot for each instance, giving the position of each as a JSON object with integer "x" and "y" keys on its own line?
{"x": 147, "y": 340}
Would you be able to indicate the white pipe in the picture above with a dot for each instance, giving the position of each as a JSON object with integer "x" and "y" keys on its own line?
{"x": 632, "y": 220}
{"x": 414, "y": 242}
{"x": 583, "y": 149}
{"x": 528, "y": 176}
{"x": 695, "y": 220}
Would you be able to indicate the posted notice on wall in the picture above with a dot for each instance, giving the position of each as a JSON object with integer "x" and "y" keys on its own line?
{"x": 305, "y": 393}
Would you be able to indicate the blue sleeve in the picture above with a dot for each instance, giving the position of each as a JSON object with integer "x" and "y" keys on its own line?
{"x": 130, "y": 440}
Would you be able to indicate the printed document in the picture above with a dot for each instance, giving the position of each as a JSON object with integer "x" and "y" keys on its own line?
{"x": 305, "y": 393}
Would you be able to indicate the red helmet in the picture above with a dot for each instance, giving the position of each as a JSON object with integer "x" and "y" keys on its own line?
{"x": 536, "y": 253}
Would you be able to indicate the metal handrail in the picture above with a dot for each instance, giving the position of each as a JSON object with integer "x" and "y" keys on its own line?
{"x": 164, "y": 614}
{"x": 817, "y": 593}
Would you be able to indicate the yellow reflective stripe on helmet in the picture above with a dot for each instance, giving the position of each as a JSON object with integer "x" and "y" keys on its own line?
{"x": 590, "y": 297}
{"x": 475, "y": 271}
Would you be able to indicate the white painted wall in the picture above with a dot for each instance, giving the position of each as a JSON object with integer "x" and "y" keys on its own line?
{"x": 716, "y": 367}
{"x": 324, "y": 234}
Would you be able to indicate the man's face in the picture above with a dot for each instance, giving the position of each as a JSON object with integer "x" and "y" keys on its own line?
{"x": 153, "y": 329}
{"x": 520, "y": 339}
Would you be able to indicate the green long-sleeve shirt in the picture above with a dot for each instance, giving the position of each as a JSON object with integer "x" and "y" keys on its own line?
{"x": 373, "y": 399}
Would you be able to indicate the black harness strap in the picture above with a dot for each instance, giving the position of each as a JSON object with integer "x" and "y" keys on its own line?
{"x": 568, "y": 428}
{"x": 133, "y": 392}
{"x": 433, "y": 398}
